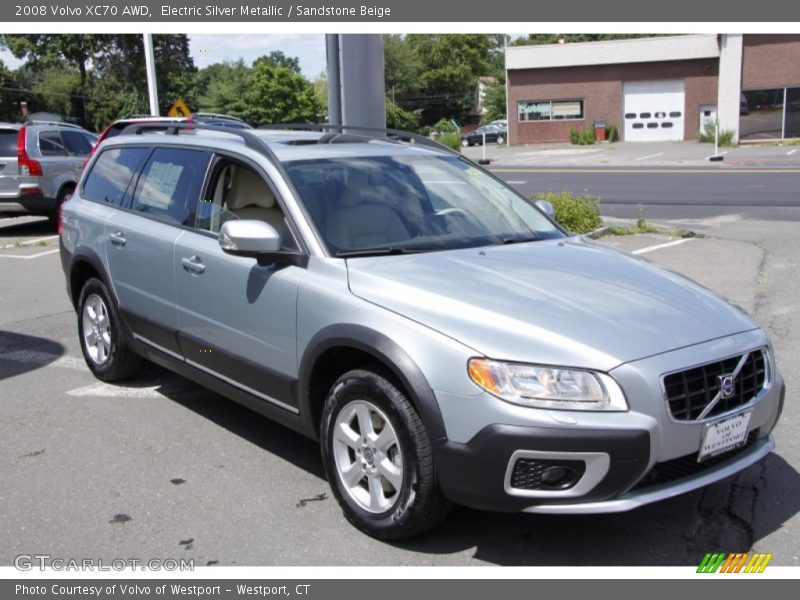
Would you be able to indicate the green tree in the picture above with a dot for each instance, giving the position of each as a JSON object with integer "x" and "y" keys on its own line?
{"x": 321, "y": 91}
{"x": 222, "y": 88}
{"x": 495, "y": 102}
{"x": 451, "y": 65}
{"x": 9, "y": 96}
{"x": 45, "y": 50}
{"x": 397, "y": 118}
{"x": 276, "y": 58}
{"x": 277, "y": 95}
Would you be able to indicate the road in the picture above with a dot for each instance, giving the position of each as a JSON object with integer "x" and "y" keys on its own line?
{"x": 672, "y": 193}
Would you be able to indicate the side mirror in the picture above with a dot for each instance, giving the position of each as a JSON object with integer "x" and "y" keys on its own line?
{"x": 546, "y": 208}
{"x": 259, "y": 240}
{"x": 249, "y": 238}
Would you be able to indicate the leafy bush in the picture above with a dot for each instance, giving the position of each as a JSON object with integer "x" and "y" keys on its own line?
{"x": 444, "y": 126}
{"x": 425, "y": 130}
{"x": 451, "y": 140}
{"x": 612, "y": 133}
{"x": 579, "y": 213}
{"x": 706, "y": 135}
{"x": 582, "y": 137}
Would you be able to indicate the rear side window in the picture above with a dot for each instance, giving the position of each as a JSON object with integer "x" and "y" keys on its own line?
{"x": 51, "y": 144}
{"x": 76, "y": 143}
{"x": 111, "y": 174}
{"x": 169, "y": 185}
{"x": 8, "y": 142}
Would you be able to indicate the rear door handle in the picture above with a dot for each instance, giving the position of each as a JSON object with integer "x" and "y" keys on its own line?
{"x": 117, "y": 238}
{"x": 193, "y": 264}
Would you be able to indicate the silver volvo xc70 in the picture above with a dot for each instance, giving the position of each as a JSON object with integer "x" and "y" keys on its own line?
{"x": 440, "y": 336}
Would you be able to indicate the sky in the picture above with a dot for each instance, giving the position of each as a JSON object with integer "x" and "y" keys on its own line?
{"x": 207, "y": 49}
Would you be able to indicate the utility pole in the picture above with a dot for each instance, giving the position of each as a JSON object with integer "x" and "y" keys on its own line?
{"x": 150, "y": 67}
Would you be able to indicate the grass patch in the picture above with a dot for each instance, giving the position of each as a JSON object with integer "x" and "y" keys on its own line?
{"x": 578, "y": 213}
{"x": 451, "y": 140}
{"x": 726, "y": 136}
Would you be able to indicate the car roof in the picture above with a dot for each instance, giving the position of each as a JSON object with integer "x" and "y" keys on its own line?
{"x": 287, "y": 145}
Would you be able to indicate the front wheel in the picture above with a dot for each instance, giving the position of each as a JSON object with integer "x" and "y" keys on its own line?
{"x": 378, "y": 458}
{"x": 100, "y": 330}
{"x": 465, "y": 143}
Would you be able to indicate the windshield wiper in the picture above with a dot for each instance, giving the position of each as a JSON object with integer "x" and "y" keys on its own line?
{"x": 516, "y": 240}
{"x": 376, "y": 252}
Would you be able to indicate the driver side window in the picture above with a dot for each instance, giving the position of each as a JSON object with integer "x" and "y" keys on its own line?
{"x": 236, "y": 191}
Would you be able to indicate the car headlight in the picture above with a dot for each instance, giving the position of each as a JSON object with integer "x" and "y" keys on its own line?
{"x": 548, "y": 387}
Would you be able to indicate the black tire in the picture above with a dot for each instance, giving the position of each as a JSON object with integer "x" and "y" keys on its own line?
{"x": 118, "y": 361}
{"x": 63, "y": 195}
{"x": 419, "y": 504}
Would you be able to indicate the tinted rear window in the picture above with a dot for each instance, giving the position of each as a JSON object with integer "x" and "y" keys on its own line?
{"x": 111, "y": 174}
{"x": 8, "y": 142}
{"x": 77, "y": 143}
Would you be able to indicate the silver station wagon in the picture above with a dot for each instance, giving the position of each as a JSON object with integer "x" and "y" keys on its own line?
{"x": 437, "y": 332}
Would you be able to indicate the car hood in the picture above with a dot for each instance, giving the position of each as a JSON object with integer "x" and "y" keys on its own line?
{"x": 571, "y": 301}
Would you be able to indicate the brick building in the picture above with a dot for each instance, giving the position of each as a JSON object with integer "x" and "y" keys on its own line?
{"x": 651, "y": 89}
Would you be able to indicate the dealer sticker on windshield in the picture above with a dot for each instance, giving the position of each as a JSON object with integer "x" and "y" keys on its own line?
{"x": 724, "y": 436}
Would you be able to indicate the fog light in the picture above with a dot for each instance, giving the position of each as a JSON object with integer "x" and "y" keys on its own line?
{"x": 546, "y": 474}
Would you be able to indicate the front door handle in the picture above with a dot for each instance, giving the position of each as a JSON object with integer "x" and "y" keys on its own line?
{"x": 117, "y": 238}
{"x": 193, "y": 264}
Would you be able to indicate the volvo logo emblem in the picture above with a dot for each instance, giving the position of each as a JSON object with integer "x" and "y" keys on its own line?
{"x": 726, "y": 386}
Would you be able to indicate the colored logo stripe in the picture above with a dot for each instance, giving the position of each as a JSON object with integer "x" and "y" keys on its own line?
{"x": 734, "y": 563}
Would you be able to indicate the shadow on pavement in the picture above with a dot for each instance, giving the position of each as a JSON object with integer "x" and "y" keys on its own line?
{"x": 729, "y": 516}
{"x": 25, "y": 226}
{"x": 21, "y": 353}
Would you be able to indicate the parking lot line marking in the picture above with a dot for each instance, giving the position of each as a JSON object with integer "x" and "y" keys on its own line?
{"x": 154, "y": 388}
{"x": 29, "y": 242}
{"x": 660, "y": 246}
{"x": 42, "y": 359}
{"x": 23, "y": 257}
{"x": 649, "y": 156}
{"x": 790, "y": 152}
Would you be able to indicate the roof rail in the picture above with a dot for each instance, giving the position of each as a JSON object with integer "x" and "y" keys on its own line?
{"x": 376, "y": 133}
{"x": 217, "y": 116}
{"x": 57, "y": 123}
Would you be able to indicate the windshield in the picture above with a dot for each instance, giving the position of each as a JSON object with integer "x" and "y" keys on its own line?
{"x": 398, "y": 204}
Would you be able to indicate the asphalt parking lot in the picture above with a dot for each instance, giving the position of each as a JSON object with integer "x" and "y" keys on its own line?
{"x": 159, "y": 468}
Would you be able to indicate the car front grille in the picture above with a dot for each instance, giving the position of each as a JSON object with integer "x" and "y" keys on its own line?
{"x": 685, "y": 466}
{"x": 689, "y": 392}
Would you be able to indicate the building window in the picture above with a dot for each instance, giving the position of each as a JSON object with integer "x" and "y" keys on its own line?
{"x": 550, "y": 110}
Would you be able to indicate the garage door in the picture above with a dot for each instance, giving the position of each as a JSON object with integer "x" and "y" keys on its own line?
{"x": 654, "y": 110}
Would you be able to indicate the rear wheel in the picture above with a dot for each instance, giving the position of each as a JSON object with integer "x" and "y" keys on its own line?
{"x": 64, "y": 195}
{"x": 100, "y": 331}
{"x": 501, "y": 140}
{"x": 465, "y": 143}
{"x": 378, "y": 458}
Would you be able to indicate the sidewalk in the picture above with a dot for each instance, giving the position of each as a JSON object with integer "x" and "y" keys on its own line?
{"x": 637, "y": 155}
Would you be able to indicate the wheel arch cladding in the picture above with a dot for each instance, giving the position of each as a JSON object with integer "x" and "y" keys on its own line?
{"x": 337, "y": 349}
{"x": 83, "y": 267}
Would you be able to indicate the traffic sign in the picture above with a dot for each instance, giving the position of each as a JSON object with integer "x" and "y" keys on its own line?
{"x": 179, "y": 109}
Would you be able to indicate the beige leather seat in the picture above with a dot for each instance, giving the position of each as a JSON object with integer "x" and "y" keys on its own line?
{"x": 251, "y": 198}
{"x": 360, "y": 223}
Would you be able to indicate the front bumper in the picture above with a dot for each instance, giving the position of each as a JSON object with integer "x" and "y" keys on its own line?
{"x": 620, "y": 467}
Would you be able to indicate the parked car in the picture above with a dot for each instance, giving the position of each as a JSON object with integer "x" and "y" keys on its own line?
{"x": 40, "y": 163}
{"x": 118, "y": 126}
{"x": 492, "y": 133}
{"x": 501, "y": 123}
{"x": 438, "y": 333}
{"x": 219, "y": 120}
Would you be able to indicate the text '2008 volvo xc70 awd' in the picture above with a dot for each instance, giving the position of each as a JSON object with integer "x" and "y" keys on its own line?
{"x": 438, "y": 333}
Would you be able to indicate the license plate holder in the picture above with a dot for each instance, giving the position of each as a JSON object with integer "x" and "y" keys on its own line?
{"x": 724, "y": 435}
